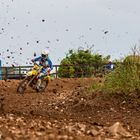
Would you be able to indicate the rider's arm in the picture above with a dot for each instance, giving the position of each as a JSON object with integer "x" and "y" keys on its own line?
{"x": 36, "y": 59}
{"x": 50, "y": 64}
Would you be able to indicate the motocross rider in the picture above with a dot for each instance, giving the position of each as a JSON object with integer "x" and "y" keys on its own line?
{"x": 44, "y": 61}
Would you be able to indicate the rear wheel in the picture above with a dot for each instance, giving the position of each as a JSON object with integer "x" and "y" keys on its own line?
{"x": 23, "y": 85}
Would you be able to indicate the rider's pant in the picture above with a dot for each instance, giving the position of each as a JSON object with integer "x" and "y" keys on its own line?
{"x": 42, "y": 74}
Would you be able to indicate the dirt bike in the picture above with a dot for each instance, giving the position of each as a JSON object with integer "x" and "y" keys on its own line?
{"x": 31, "y": 80}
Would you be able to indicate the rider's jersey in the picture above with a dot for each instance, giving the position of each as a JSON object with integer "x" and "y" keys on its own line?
{"x": 45, "y": 63}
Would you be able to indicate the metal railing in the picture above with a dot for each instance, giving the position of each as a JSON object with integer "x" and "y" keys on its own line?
{"x": 20, "y": 71}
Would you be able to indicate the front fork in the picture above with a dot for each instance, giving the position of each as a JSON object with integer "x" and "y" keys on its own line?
{"x": 30, "y": 81}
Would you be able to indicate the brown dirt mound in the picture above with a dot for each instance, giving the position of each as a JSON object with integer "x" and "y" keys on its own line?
{"x": 68, "y": 109}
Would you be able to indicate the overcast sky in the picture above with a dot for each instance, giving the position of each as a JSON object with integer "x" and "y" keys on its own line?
{"x": 112, "y": 27}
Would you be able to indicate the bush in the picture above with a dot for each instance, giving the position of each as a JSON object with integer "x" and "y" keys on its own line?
{"x": 83, "y": 64}
{"x": 125, "y": 79}
{"x": 132, "y": 59}
{"x": 66, "y": 70}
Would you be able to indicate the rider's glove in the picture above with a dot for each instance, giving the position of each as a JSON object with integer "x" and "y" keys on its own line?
{"x": 32, "y": 60}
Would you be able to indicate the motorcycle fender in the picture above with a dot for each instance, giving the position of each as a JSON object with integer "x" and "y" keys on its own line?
{"x": 30, "y": 73}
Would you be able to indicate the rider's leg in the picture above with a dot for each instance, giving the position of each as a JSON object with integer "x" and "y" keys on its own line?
{"x": 41, "y": 76}
{"x": 40, "y": 80}
{"x": 38, "y": 83}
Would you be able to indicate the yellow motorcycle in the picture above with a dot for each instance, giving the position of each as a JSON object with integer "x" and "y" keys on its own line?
{"x": 31, "y": 80}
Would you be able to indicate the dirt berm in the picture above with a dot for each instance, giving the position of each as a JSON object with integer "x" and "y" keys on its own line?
{"x": 68, "y": 110}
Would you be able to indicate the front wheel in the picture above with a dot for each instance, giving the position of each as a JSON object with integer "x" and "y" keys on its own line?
{"x": 23, "y": 85}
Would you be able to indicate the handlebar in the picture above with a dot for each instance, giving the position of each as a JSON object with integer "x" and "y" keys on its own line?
{"x": 36, "y": 64}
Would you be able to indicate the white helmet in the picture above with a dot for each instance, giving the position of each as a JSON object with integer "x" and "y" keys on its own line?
{"x": 45, "y": 53}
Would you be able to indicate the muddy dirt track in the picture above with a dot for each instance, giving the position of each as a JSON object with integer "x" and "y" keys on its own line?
{"x": 67, "y": 110}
